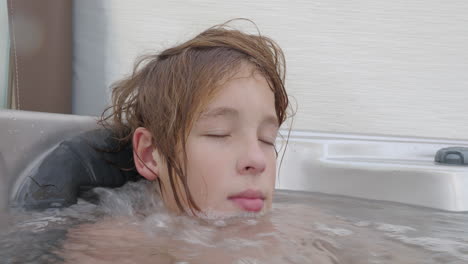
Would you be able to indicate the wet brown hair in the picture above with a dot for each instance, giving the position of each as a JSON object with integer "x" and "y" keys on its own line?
{"x": 167, "y": 91}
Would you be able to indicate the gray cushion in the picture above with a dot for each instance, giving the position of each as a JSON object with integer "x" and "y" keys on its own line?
{"x": 91, "y": 159}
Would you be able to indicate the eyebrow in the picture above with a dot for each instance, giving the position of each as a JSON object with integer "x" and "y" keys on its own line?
{"x": 219, "y": 111}
{"x": 233, "y": 113}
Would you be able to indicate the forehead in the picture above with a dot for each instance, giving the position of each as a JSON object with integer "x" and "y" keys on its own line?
{"x": 245, "y": 93}
{"x": 247, "y": 83}
{"x": 234, "y": 114}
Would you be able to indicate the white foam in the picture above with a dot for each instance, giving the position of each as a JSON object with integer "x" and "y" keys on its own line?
{"x": 362, "y": 224}
{"x": 333, "y": 231}
{"x": 240, "y": 243}
{"x": 133, "y": 198}
{"x": 395, "y": 229}
{"x": 211, "y": 214}
{"x": 247, "y": 261}
{"x": 438, "y": 245}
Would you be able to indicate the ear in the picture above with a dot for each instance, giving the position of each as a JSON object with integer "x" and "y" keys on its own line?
{"x": 143, "y": 149}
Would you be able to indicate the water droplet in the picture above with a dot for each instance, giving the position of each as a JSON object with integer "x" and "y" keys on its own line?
{"x": 33, "y": 125}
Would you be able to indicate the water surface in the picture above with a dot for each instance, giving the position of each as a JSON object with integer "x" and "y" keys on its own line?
{"x": 130, "y": 225}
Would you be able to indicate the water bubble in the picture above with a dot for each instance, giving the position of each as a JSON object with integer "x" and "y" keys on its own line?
{"x": 362, "y": 223}
{"x": 251, "y": 221}
{"x": 333, "y": 231}
{"x": 220, "y": 223}
{"x": 247, "y": 261}
{"x": 395, "y": 229}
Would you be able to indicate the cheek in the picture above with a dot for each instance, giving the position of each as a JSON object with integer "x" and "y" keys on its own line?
{"x": 271, "y": 174}
{"x": 208, "y": 170}
{"x": 212, "y": 173}
{"x": 270, "y": 156}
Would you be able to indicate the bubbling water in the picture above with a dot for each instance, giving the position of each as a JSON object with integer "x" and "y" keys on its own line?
{"x": 131, "y": 225}
{"x": 136, "y": 215}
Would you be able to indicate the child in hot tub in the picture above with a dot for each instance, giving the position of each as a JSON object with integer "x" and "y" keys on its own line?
{"x": 199, "y": 119}
{"x": 203, "y": 117}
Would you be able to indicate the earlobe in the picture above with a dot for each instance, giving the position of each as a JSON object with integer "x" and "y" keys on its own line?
{"x": 145, "y": 162}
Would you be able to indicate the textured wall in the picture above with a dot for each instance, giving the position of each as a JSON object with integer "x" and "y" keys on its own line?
{"x": 364, "y": 66}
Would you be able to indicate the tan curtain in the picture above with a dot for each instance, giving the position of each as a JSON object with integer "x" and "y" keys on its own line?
{"x": 40, "y": 55}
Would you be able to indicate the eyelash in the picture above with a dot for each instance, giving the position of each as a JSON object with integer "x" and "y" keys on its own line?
{"x": 225, "y": 136}
{"x": 218, "y": 136}
{"x": 267, "y": 142}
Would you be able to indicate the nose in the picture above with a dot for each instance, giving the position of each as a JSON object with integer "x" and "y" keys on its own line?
{"x": 252, "y": 159}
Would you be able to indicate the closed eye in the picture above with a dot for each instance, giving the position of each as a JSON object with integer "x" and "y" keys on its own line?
{"x": 267, "y": 142}
{"x": 217, "y": 136}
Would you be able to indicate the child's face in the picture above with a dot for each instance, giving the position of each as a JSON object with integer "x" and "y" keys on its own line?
{"x": 231, "y": 166}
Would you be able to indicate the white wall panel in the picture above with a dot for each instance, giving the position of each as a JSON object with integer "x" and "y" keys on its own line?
{"x": 364, "y": 66}
{"x": 4, "y": 53}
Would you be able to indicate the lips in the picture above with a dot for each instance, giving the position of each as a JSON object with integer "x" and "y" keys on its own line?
{"x": 249, "y": 200}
